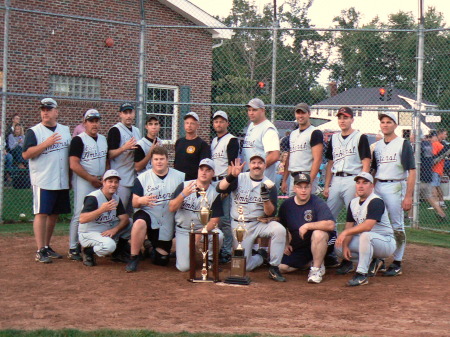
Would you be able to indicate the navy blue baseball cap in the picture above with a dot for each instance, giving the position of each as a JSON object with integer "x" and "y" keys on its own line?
{"x": 126, "y": 106}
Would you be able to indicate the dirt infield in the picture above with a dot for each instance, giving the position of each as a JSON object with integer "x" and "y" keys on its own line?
{"x": 65, "y": 294}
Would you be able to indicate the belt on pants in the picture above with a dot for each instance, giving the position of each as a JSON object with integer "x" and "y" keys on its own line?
{"x": 390, "y": 181}
{"x": 343, "y": 174}
{"x": 246, "y": 220}
{"x": 293, "y": 174}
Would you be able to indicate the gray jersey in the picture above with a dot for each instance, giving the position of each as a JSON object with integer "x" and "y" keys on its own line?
{"x": 163, "y": 189}
{"x": 50, "y": 169}
{"x": 106, "y": 220}
{"x": 388, "y": 158}
{"x": 345, "y": 153}
{"x": 146, "y": 145}
{"x": 359, "y": 213}
{"x": 300, "y": 153}
{"x": 93, "y": 158}
{"x": 248, "y": 195}
{"x": 124, "y": 163}
{"x": 188, "y": 212}
{"x": 219, "y": 154}
{"x": 253, "y": 145}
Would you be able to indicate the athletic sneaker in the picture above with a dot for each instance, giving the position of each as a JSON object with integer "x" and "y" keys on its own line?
{"x": 275, "y": 274}
{"x": 52, "y": 254}
{"x": 358, "y": 280}
{"x": 132, "y": 264}
{"x": 393, "y": 270}
{"x": 374, "y": 267}
{"x": 74, "y": 255}
{"x": 315, "y": 274}
{"x": 89, "y": 257}
{"x": 331, "y": 261}
{"x": 264, "y": 255}
{"x": 345, "y": 267}
{"x": 41, "y": 256}
{"x": 224, "y": 258}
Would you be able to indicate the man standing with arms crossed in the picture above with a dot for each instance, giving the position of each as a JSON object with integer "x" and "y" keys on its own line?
{"x": 261, "y": 138}
{"x": 305, "y": 150}
{"x": 122, "y": 139}
{"x": 393, "y": 163}
{"x": 142, "y": 152}
{"x": 224, "y": 150}
{"x": 87, "y": 158}
{"x": 46, "y": 145}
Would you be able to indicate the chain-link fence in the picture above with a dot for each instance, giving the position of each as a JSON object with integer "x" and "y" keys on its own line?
{"x": 170, "y": 57}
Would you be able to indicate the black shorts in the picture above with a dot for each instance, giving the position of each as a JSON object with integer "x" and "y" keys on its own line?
{"x": 152, "y": 234}
{"x": 50, "y": 201}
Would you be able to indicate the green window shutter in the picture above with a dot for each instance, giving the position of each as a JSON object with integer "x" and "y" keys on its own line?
{"x": 185, "y": 97}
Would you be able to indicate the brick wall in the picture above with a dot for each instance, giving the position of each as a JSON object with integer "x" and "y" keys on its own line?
{"x": 43, "y": 45}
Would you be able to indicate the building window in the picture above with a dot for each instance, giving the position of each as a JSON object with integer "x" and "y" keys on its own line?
{"x": 160, "y": 102}
{"x": 75, "y": 86}
{"x": 330, "y": 112}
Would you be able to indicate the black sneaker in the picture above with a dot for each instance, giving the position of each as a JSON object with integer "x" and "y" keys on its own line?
{"x": 42, "y": 256}
{"x": 358, "y": 280}
{"x": 224, "y": 258}
{"x": 264, "y": 255}
{"x": 374, "y": 267}
{"x": 89, "y": 257}
{"x": 331, "y": 261}
{"x": 345, "y": 267}
{"x": 131, "y": 266}
{"x": 52, "y": 254}
{"x": 393, "y": 270}
{"x": 275, "y": 274}
{"x": 74, "y": 255}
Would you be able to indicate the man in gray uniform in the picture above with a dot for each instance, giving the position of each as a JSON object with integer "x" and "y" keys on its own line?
{"x": 142, "y": 152}
{"x": 393, "y": 163}
{"x": 87, "y": 158}
{"x": 305, "y": 150}
{"x": 224, "y": 150}
{"x": 122, "y": 139}
{"x": 186, "y": 203}
{"x": 262, "y": 138}
{"x": 368, "y": 235}
{"x": 152, "y": 192}
{"x": 258, "y": 198}
{"x": 103, "y": 220}
{"x": 46, "y": 145}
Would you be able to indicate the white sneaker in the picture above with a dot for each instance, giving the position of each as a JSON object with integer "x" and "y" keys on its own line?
{"x": 315, "y": 275}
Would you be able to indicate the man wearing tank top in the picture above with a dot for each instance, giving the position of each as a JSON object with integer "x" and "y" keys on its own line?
{"x": 395, "y": 173}
{"x": 142, "y": 155}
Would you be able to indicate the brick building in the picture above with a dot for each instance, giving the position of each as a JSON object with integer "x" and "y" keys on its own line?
{"x": 57, "y": 48}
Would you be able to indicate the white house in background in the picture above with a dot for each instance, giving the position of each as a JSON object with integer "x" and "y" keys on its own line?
{"x": 366, "y": 105}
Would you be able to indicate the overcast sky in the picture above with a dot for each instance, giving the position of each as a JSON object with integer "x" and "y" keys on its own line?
{"x": 322, "y": 12}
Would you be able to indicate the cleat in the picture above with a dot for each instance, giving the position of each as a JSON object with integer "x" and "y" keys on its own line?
{"x": 42, "y": 256}
{"x": 264, "y": 255}
{"x": 74, "y": 255}
{"x": 393, "y": 270}
{"x": 331, "y": 261}
{"x": 315, "y": 274}
{"x": 275, "y": 274}
{"x": 375, "y": 266}
{"x": 345, "y": 267}
{"x": 52, "y": 254}
{"x": 131, "y": 266}
{"x": 89, "y": 257}
{"x": 358, "y": 280}
{"x": 224, "y": 258}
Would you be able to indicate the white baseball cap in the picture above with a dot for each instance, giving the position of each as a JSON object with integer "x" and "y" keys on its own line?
{"x": 364, "y": 175}
{"x": 91, "y": 114}
{"x": 111, "y": 174}
{"x": 256, "y": 103}
{"x": 222, "y": 114}
{"x": 207, "y": 162}
{"x": 258, "y": 155}
{"x": 192, "y": 114}
{"x": 49, "y": 103}
{"x": 389, "y": 114}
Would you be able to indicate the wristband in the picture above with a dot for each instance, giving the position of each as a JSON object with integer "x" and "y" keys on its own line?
{"x": 230, "y": 178}
{"x": 184, "y": 196}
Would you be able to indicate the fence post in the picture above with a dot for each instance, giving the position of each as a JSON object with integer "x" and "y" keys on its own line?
{"x": 275, "y": 27}
{"x": 140, "y": 113}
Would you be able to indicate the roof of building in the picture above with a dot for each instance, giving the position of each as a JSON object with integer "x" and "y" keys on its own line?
{"x": 199, "y": 17}
{"x": 371, "y": 97}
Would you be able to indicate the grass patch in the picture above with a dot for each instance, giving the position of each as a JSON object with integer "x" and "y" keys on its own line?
{"x": 427, "y": 237}
{"x": 26, "y": 229}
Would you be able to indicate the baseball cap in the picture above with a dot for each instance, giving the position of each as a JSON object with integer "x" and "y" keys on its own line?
{"x": 389, "y": 114}
{"x": 433, "y": 133}
{"x": 91, "y": 114}
{"x": 302, "y": 107}
{"x": 258, "y": 155}
{"x": 207, "y": 162}
{"x": 126, "y": 106}
{"x": 256, "y": 103}
{"x": 346, "y": 111}
{"x": 302, "y": 178}
{"x": 364, "y": 175}
{"x": 111, "y": 174}
{"x": 49, "y": 103}
{"x": 222, "y": 114}
{"x": 192, "y": 114}
{"x": 150, "y": 117}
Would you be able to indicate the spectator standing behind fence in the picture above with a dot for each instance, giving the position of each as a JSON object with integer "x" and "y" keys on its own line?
{"x": 87, "y": 158}
{"x": 15, "y": 144}
{"x": 14, "y": 121}
{"x": 438, "y": 168}
{"x": 47, "y": 148}
{"x": 122, "y": 139}
{"x": 280, "y": 169}
{"x": 284, "y": 142}
{"x": 142, "y": 152}
{"x": 79, "y": 128}
{"x": 262, "y": 138}
{"x": 190, "y": 150}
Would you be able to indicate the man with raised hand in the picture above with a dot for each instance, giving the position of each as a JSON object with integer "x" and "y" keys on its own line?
{"x": 46, "y": 145}
{"x": 142, "y": 152}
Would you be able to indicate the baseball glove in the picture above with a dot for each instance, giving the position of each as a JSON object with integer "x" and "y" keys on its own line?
{"x": 267, "y": 219}
{"x": 400, "y": 237}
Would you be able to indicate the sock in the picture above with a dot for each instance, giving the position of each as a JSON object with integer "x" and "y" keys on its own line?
{"x": 397, "y": 263}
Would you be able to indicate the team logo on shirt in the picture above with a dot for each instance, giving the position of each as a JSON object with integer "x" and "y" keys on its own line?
{"x": 190, "y": 149}
{"x": 308, "y": 215}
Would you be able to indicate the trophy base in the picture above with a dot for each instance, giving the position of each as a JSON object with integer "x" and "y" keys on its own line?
{"x": 200, "y": 280}
{"x": 241, "y": 280}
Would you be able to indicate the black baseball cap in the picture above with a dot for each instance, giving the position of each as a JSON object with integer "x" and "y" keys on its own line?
{"x": 126, "y": 106}
{"x": 302, "y": 178}
{"x": 346, "y": 111}
{"x": 150, "y": 117}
